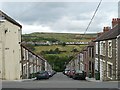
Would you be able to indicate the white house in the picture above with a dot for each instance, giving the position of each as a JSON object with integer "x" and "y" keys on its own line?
{"x": 10, "y": 49}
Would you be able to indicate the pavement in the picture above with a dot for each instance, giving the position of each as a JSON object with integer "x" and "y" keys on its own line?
{"x": 21, "y": 80}
{"x": 92, "y": 80}
{"x": 57, "y": 78}
{"x": 59, "y": 81}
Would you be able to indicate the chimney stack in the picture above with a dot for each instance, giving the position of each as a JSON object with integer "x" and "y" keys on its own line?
{"x": 115, "y": 21}
{"x": 105, "y": 29}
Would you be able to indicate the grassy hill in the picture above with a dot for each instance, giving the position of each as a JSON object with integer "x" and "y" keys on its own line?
{"x": 57, "y": 55}
{"x": 63, "y": 37}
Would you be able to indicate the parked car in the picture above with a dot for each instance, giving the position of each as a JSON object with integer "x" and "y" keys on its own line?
{"x": 50, "y": 73}
{"x": 80, "y": 75}
{"x": 68, "y": 72}
{"x": 42, "y": 75}
{"x": 71, "y": 73}
{"x": 65, "y": 71}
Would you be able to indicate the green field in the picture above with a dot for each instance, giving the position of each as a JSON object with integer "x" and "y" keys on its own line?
{"x": 67, "y": 48}
{"x": 57, "y": 55}
{"x": 62, "y": 37}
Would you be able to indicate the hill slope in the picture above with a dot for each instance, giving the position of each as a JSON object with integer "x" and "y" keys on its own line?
{"x": 57, "y": 54}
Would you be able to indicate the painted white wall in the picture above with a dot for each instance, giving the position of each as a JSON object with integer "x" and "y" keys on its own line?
{"x": 1, "y": 49}
{"x": 11, "y": 55}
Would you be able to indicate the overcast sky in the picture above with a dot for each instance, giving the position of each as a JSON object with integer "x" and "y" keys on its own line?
{"x": 61, "y": 17}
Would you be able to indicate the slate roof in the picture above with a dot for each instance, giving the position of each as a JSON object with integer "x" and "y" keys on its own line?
{"x": 111, "y": 34}
{"x": 5, "y": 16}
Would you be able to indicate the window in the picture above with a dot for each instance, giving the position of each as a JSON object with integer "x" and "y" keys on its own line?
{"x": 89, "y": 52}
{"x": 96, "y": 47}
{"x": 109, "y": 70}
{"x": 101, "y": 48}
{"x": 92, "y": 52}
{"x": 104, "y": 48}
{"x": 110, "y": 48}
{"x": 89, "y": 65}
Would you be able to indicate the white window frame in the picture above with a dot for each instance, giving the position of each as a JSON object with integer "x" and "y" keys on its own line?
{"x": 101, "y": 47}
{"x": 109, "y": 63}
{"x": 104, "y": 48}
{"x": 110, "y": 56}
{"x": 96, "y": 44}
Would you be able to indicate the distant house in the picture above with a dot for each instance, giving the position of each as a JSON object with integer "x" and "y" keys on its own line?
{"x": 76, "y": 43}
{"x": 88, "y": 60}
{"x": 32, "y": 63}
{"x": 85, "y": 60}
{"x": 106, "y": 51}
{"x": 91, "y": 61}
{"x": 81, "y": 61}
{"x": 10, "y": 49}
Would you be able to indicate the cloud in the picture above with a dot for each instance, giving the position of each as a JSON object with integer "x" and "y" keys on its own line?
{"x": 60, "y": 17}
{"x": 35, "y": 28}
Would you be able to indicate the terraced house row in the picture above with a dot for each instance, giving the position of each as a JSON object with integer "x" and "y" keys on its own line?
{"x": 16, "y": 60}
{"x": 100, "y": 59}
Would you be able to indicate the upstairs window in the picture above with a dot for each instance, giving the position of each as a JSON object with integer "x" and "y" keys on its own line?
{"x": 110, "y": 49}
{"x": 92, "y": 52}
{"x": 104, "y": 49}
{"x": 96, "y": 47}
{"x": 101, "y": 48}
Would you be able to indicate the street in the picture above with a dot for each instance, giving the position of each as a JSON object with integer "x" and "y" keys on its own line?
{"x": 58, "y": 81}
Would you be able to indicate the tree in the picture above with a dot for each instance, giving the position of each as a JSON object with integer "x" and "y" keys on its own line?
{"x": 57, "y": 51}
{"x": 63, "y": 44}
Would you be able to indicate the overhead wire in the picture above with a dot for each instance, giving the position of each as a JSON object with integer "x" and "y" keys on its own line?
{"x": 92, "y": 18}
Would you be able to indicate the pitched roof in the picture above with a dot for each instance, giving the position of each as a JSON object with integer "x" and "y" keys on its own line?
{"x": 5, "y": 16}
{"x": 111, "y": 34}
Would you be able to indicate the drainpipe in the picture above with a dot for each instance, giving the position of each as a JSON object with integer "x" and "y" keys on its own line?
{"x": 118, "y": 58}
{"x": 99, "y": 60}
{"x": 21, "y": 62}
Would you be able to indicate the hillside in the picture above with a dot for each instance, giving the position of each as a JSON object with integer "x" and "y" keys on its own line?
{"x": 53, "y": 47}
{"x": 63, "y": 37}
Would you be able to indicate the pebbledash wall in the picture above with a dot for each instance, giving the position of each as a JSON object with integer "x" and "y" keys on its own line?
{"x": 10, "y": 49}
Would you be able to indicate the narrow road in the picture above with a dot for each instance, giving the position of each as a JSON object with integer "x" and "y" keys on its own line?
{"x": 60, "y": 77}
{"x": 59, "y": 81}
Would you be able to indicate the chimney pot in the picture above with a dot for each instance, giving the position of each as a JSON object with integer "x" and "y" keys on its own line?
{"x": 105, "y": 29}
{"x": 115, "y": 22}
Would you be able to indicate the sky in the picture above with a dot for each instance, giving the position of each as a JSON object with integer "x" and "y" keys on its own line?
{"x": 61, "y": 17}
